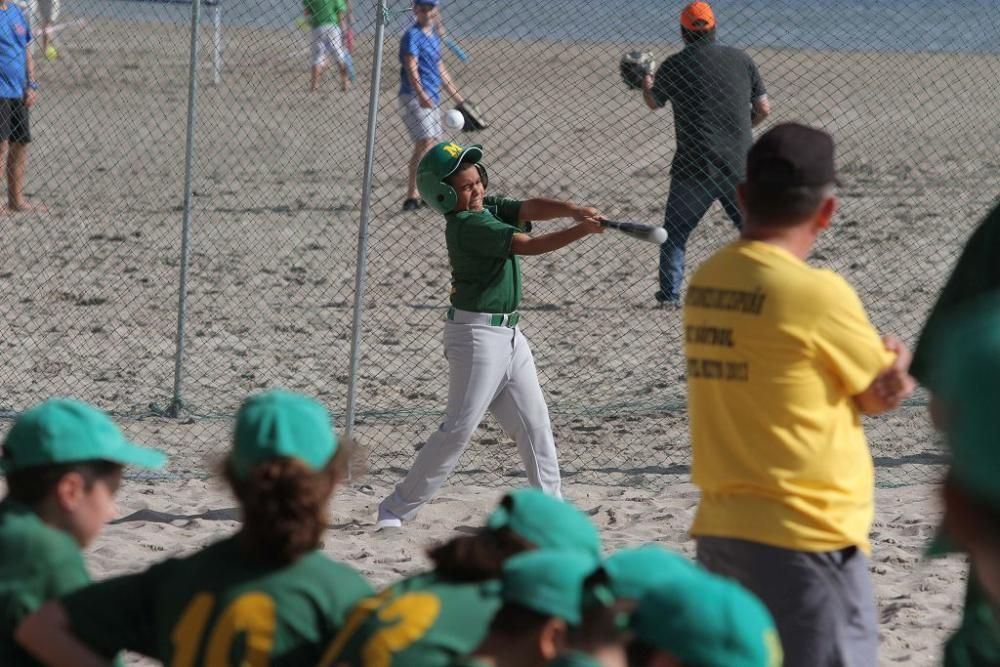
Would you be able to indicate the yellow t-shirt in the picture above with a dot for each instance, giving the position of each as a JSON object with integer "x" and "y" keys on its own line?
{"x": 775, "y": 351}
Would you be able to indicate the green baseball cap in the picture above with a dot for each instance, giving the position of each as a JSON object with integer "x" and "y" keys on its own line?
{"x": 708, "y": 621}
{"x": 966, "y": 377}
{"x": 546, "y": 522}
{"x": 439, "y": 163}
{"x": 64, "y": 430}
{"x": 280, "y": 423}
{"x": 631, "y": 572}
{"x": 548, "y": 582}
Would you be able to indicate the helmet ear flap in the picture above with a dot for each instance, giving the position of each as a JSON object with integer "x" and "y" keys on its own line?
{"x": 483, "y": 174}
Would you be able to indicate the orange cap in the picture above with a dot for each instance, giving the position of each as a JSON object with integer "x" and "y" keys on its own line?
{"x": 698, "y": 16}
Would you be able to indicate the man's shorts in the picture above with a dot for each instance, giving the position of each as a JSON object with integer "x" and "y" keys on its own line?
{"x": 823, "y": 603}
{"x": 42, "y": 12}
{"x": 14, "y": 125}
{"x": 327, "y": 40}
{"x": 421, "y": 123}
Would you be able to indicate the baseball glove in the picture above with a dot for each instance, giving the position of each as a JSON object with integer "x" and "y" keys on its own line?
{"x": 474, "y": 120}
{"x": 634, "y": 66}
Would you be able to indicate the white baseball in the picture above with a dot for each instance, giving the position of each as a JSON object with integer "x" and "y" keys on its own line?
{"x": 454, "y": 119}
{"x": 659, "y": 235}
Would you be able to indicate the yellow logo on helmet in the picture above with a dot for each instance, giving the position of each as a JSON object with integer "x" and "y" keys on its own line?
{"x": 453, "y": 149}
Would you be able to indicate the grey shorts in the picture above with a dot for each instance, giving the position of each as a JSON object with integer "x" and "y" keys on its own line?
{"x": 421, "y": 123}
{"x": 823, "y": 603}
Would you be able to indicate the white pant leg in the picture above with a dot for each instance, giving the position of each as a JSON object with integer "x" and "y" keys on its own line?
{"x": 520, "y": 408}
{"x": 478, "y": 359}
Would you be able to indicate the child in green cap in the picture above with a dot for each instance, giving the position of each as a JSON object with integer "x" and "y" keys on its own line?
{"x": 263, "y": 596}
{"x": 437, "y": 617}
{"x": 542, "y": 594}
{"x": 63, "y": 462}
{"x": 705, "y": 620}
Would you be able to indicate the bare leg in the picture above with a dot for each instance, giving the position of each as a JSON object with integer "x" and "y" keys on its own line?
{"x": 344, "y": 80}
{"x": 17, "y": 160}
{"x": 4, "y": 147}
{"x": 419, "y": 148}
{"x": 317, "y": 71}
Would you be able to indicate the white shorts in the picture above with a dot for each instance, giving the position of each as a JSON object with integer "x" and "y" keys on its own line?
{"x": 327, "y": 40}
{"x": 421, "y": 123}
{"x": 42, "y": 12}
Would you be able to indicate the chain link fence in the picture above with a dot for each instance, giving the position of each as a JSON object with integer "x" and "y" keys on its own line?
{"x": 909, "y": 89}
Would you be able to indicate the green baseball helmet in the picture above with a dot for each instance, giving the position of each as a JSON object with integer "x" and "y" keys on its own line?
{"x": 438, "y": 164}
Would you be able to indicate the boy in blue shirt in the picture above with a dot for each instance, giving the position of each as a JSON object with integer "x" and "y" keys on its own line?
{"x": 17, "y": 94}
{"x": 422, "y": 76}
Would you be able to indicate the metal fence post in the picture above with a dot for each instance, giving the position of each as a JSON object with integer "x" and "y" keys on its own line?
{"x": 366, "y": 193}
{"x": 176, "y": 402}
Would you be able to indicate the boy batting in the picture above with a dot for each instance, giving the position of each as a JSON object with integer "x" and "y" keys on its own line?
{"x": 489, "y": 361}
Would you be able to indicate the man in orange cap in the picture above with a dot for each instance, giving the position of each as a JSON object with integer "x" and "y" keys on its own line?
{"x": 717, "y": 95}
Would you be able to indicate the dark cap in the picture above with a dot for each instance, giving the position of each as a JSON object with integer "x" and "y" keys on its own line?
{"x": 791, "y": 155}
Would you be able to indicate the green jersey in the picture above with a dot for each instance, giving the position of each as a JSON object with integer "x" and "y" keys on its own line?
{"x": 423, "y": 621}
{"x": 324, "y": 12}
{"x": 976, "y": 643}
{"x": 485, "y": 274}
{"x": 977, "y": 273}
{"x": 37, "y": 563}
{"x": 216, "y": 607}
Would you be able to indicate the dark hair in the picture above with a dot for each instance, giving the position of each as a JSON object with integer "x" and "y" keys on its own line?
{"x": 477, "y": 557}
{"x": 514, "y": 620}
{"x": 696, "y": 36}
{"x": 33, "y": 485}
{"x": 639, "y": 653}
{"x": 785, "y": 207}
{"x": 284, "y": 506}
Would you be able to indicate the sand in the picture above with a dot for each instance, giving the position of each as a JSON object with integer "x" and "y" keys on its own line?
{"x": 92, "y": 283}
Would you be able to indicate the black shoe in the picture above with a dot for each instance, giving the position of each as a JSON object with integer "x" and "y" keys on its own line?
{"x": 411, "y": 204}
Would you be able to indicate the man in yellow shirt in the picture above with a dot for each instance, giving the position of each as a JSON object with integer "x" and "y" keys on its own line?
{"x": 781, "y": 364}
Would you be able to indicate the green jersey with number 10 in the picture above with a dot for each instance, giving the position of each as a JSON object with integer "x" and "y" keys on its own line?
{"x": 217, "y": 607}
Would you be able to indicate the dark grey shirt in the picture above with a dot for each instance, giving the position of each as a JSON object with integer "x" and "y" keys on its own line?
{"x": 711, "y": 88}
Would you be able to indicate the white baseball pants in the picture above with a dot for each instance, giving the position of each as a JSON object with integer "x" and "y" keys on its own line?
{"x": 489, "y": 368}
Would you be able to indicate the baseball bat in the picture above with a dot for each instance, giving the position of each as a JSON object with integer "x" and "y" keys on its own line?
{"x": 638, "y": 230}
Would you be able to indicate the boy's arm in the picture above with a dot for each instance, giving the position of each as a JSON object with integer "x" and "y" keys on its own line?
{"x": 448, "y": 84}
{"x": 522, "y": 244}
{"x": 410, "y": 65}
{"x": 29, "y": 94}
{"x": 46, "y": 635}
{"x": 542, "y": 208}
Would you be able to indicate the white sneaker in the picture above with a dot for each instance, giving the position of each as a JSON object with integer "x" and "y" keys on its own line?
{"x": 387, "y": 519}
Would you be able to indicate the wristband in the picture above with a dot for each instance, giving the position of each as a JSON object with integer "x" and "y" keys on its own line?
{"x": 33, "y": 85}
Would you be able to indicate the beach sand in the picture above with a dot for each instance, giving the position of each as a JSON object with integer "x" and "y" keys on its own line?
{"x": 274, "y": 233}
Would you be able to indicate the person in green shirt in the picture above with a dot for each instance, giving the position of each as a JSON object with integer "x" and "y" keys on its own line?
{"x": 434, "y": 618}
{"x": 975, "y": 277}
{"x": 329, "y": 21}
{"x": 966, "y": 381}
{"x": 490, "y": 364}
{"x": 63, "y": 463}
{"x": 542, "y": 593}
{"x": 266, "y": 595}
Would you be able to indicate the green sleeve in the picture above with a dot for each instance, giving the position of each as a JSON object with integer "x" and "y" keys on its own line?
{"x": 976, "y": 274}
{"x": 481, "y": 234}
{"x": 116, "y": 614}
{"x": 67, "y": 575}
{"x": 505, "y": 209}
